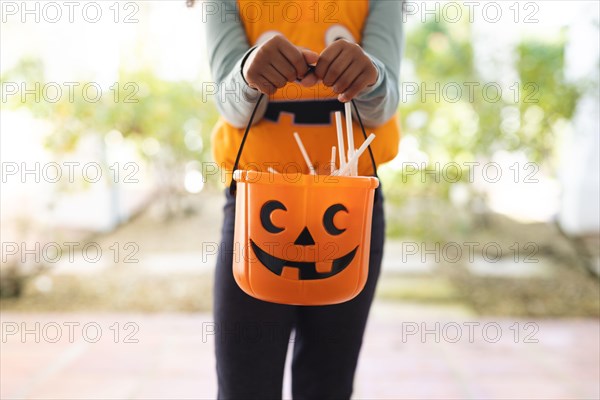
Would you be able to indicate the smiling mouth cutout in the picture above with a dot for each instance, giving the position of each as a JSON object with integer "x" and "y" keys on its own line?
{"x": 307, "y": 269}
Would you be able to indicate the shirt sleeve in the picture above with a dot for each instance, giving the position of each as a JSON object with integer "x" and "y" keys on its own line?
{"x": 382, "y": 41}
{"x": 227, "y": 49}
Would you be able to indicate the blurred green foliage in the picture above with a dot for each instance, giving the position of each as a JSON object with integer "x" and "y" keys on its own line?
{"x": 543, "y": 64}
{"x": 442, "y": 54}
{"x": 473, "y": 125}
{"x": 140, "y": 106}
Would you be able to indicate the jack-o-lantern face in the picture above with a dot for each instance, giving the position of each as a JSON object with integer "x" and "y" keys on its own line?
{"x": 307, "y": 270}
{"x": 302, "y": 242}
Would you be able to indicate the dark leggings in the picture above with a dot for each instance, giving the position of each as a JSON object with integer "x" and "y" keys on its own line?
{"x": 252, "y": 336}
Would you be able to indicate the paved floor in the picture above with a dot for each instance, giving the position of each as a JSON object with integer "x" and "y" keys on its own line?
{"x": 406, "y": 355}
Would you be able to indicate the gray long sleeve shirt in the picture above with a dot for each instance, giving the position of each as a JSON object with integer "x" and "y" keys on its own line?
{"x": 381, "y": 40}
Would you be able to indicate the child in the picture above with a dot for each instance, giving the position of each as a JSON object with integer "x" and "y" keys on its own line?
{"x": 268, "y": 47}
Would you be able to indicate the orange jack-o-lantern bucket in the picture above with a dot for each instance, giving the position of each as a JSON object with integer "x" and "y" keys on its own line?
{"x": 302, "y": 240}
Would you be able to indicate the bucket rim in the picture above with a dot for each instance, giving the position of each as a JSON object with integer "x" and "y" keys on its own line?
{"x": 296, "y": 179}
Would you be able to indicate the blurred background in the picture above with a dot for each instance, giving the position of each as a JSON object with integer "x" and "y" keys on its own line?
{"x": 111, "y": 208}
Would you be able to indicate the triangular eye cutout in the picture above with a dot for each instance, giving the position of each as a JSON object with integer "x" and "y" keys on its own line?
{"x": 305, "y": 238}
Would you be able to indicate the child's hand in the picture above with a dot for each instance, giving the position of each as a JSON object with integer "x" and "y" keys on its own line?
{"x": 275, "y": 63}
{"x": 345, "y": 68}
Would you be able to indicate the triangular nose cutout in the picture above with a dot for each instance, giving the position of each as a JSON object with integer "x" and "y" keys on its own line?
{"x": 305, "y": 238}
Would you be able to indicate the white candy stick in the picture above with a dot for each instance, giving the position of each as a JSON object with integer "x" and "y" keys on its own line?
{"x": 340, "y": 138}
{"x": 353, "y": 167}
{"x": 357, "y": 154}
{"x": 304, "y": 154}
{"x": 332, "y": 159}
{"x": 356, "y": 164}
{"x": 349, "y": 133}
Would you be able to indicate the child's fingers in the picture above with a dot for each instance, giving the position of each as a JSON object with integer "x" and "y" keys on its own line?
{"x": 355, "y": 88}
{"x": 295, "y": 57}
{"x": 337, "y": 69}
{"x": 309, "y": 80}
{"x": 277, "y": 62}
{"x": 265, "y": 80}
{"x": 326, "y": 58}
{"x": 265, "y": 86}
{"x": 310, "y": 57}
{"x": 283, "y": 66}
{"x": 274, "y": 76}
{"x": 349, "y": 75}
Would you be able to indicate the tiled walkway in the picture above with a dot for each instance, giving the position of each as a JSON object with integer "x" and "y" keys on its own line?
{"x": 173, "y": 357}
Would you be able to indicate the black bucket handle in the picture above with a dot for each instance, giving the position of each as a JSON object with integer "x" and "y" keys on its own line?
{"x": 233, "y": 184}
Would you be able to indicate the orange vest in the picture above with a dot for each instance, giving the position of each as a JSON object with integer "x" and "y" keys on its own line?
{"x": 313, "y": 25}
